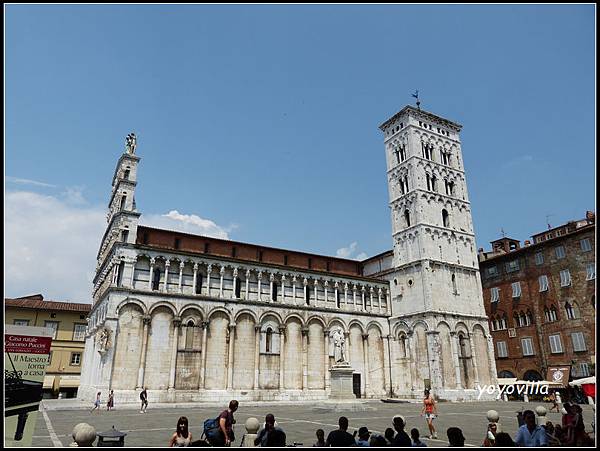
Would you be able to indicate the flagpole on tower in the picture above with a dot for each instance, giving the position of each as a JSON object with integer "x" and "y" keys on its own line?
{"x": 416, "y": 96}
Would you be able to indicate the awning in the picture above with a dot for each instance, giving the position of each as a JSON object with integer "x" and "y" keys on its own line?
{"x": 69, "y": 381}
{"x": 553, "y": 384}
{"x": 507, "y": 380}
{"x": 585, "y": 380}
{"x": 48, "y": 381}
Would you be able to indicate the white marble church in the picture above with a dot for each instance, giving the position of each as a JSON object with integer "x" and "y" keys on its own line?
{"x": 194, "y": 318}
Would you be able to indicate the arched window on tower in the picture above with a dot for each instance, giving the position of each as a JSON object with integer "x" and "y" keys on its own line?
{"x": 445, "y": 218}
{"x": 553, "y": 312}
{"x": 407, "y": 218}
{"x": 403, "y": 342}
{"x": 123, "y": 201}
{"x": 126, "y": 174}
{"x": 269, "y": 340}
{"x": 433, "y": 183}
{"x": 189, "y": 335}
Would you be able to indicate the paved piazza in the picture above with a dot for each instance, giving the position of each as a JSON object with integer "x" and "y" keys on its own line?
{"x": 300, "y": 421}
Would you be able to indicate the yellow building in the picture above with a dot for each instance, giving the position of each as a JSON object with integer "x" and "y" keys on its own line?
{"x": 69, "y": 322}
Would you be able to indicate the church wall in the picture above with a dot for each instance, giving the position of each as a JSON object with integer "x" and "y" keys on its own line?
{"x": 356, "y": 352}
{"x": 376, "y": 362}
{"x": 243, "y": 354}
{"x": 422, "y": 357}
{"x": 128, "y": 349}
{"x": 158, "y": 354}
{"x": 316, "y": 351}
{"x": 481, "y": 355}
{"x": 447, "y": 357}
{"x": 293, "y": 355}
{"x": 217, "y": 352}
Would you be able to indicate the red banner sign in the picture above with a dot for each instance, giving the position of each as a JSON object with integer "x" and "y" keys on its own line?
{"x": 27, "y": 344}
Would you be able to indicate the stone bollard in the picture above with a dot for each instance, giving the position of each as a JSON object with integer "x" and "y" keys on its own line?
{"x": 251, "y": 426}
{"x": 541, "y": 413}
{"x": 83, "y": 435}
{"x": 493, "y": 418}
{"x": 525, "y": 397}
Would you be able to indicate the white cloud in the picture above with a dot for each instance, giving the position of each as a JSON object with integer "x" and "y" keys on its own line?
{"x": 51, "y": 246}
{"x": 28, "y": 182}
{"x": 187, "y": 224}
{"x": 348, "y": 252}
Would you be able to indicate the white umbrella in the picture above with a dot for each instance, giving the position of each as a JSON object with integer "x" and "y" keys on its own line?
{"x": 585, "y": 380}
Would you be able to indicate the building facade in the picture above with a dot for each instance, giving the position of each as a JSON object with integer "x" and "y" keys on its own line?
{"x": 541, "y": 301}
{"x": 198, "y": 318}
{"x": 69, "y": 322}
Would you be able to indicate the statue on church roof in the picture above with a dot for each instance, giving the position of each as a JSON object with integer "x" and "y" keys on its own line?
{"x": 130, "y": 143}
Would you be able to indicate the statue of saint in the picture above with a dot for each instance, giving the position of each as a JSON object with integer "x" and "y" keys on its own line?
{"x": 103, "y": 340}
{"x": 339, "y": 346}
{"x": 130, "y": 143}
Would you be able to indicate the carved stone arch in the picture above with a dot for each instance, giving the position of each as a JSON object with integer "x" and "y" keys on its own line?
{"x": 356, "y": 322}
{"x": 317, "y": 319}
{"x": 294, "y": 316}
{"x": 246, "y": 312}
{"x": 420, "y": 321}
{"x": 215, "y": 310}
{"x": 133, "y": 301}
{"x": 399, "y": 328}
{"x": 376, "y": 325}
{"x": 166, "y": 304}
{"x": 273, "y": 314}
{"x": 442, "y": 322}
{"x": 338, "y": 321}
{"x": 461, "y": 327}
{"x": 479, "y": 327}
{"x": 188, "y": 307}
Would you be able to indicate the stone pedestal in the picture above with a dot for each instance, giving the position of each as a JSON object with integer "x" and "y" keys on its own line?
{"x": 341, "y": 381}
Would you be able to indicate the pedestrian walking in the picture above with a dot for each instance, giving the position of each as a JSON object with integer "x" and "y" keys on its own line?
{"x": 144, "y": 399}
{"x": 96, "y": 403}
{"x": 430, "y": 411}
{"x": 554, "y": 403}
{"x": 111, "y": 401}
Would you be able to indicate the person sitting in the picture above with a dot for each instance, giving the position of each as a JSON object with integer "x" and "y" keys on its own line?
{"x": 182, "y": 436}
{"x": 363, "y": 437}
{"x": 455, "y": 437}
{"x": 270, "y": 434}
{"x": 340, "y": 437}
{"x": 401, "y": 438}
{"x": 504, "y": 440}
{"x": 389, "y": 435}
{"x": 416, "y": 441}
{"x": 320, "y": 438}
{"x": 377, "y": 440}
{"x": 531, "y": 434}
{"x": 553, "y": 440}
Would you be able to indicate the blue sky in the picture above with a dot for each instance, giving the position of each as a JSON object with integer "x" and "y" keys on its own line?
{"x": 264, "y": 119}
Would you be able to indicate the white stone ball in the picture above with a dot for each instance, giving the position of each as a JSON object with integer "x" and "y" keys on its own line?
{"x": 541, "y": 411}
{"x": 84, "y": 434}
{"x": 492, "y": 416}
{"x": 252, "y": 425}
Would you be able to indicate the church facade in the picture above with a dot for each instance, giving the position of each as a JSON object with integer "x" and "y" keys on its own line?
{"x": 194, "y": 318}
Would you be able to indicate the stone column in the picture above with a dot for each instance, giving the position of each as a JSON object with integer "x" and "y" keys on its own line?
{"x": 247, "y": 284}
{"x": 258, "y": 298}
{"x": 473, "y": 359}
{"x": 208, "y": 272}
{"x": 326, "y": 360}
{"x": 256, "y": 355}
{"x": 336, "y": 293}
{"x": 294, "y": 280}
{"x": 434, "y": 351}
{"x": 271, "y": 280}
{"x": 176, "y": 326}
{"x": 142, "y": 366}
{"x": 366, "y": 358}
{"x": 305, "y": 282}
{"x": 379, "y": 300}
{"x": 364, "y": 304}
{"x": 133, "y": 263}
{"x": 491, "y": 361}
{"x": 230, "y": 356}
{"x": 392, "y": 346}
{"x": 316, "y": 284}
{"x": 388, "y": 307}
{"x": 167, "y": 264}
{"x": 281, "y": 354}
{"x": 195, "y": 279}
{"x": 455, "y": 354}
{"x": 304, "y": 331}
{"x": 235, "y": 275}
{"x": 202, "y": 375}
{"x": 346, "y": 295}
{"x": 354, "y": 296}
{"x": 413, "y": 359}
{"x": 221, "y": 273}
{"x": 152, "y": 261}
{"x": 325, "y": 287}
{"x": 283, "y": 289}
{"x": 181, "y": 265}
{"x": 386, "y": 364}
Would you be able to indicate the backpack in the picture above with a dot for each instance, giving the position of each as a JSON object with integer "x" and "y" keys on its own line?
{"x": 211, "y": 429}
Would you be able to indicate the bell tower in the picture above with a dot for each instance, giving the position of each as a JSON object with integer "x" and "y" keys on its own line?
{"x": 122, "y": 216}
{"x": 434, "y": 244}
